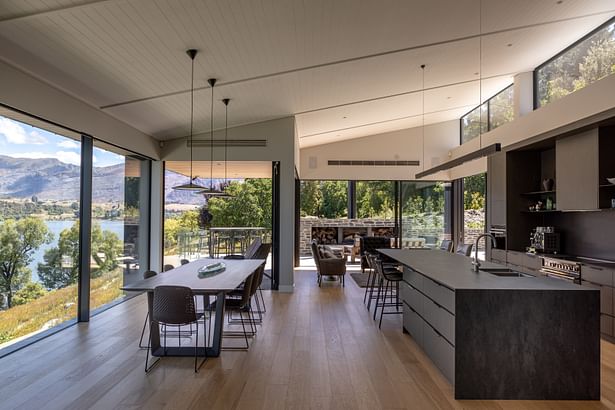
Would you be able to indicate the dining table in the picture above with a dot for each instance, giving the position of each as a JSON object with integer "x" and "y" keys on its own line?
{"x": 209, "y": 286}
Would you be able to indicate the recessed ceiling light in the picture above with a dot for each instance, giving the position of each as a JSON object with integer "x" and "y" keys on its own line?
{"x": 476, "y": 73}
{"x": 559, "y": 1}
{"x": 509, "y": 45}
{"x": 448, "y": 98}
{"x": 344, "y": 117}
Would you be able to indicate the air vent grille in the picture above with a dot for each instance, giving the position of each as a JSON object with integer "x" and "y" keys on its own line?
{"x": 230, "y": 143}
{"x": 372, "y": 163}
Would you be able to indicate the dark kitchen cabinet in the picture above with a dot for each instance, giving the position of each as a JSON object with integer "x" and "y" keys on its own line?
{"x": 602, "y": 278}
{"x": 496, "y": 189}
{"x": 576, "y": 171}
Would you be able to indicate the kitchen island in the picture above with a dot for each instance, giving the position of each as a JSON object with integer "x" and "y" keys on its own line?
{"x": 494, "y": 337}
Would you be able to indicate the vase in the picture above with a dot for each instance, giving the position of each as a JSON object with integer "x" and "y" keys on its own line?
{"x": 547, "y": 184}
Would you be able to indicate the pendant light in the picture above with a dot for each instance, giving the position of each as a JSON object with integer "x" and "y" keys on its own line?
{"x": 225, "y": 185}
{"x": 191, "y": 185}
{"x": 211, "y": 191}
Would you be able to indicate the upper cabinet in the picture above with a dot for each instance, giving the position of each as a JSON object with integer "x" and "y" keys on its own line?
{"x": 496, "y": 189}
{"x": 577, "y": 171}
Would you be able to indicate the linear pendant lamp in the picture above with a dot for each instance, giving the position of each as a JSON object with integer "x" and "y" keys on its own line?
{"x": 211, "y": 190}
{"x": 191, "y": 185}
{"x": 483, "y": 152}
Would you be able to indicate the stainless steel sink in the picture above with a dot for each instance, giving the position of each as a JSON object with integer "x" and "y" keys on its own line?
{"x": 505, "y": 272}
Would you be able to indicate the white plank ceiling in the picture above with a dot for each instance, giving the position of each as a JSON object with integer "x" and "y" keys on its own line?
{"x": 345, "y": 68}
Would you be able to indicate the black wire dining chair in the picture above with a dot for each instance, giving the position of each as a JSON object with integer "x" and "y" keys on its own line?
{"x": 174, "y": 306}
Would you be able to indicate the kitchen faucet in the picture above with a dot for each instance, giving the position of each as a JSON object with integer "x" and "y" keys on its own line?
{"x": 475, "y": 262}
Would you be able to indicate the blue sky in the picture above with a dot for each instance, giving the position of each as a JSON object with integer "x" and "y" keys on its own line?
{"x": 21, "y": 140}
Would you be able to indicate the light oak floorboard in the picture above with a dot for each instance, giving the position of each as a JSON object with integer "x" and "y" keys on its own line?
{"x": 318, "y": 348}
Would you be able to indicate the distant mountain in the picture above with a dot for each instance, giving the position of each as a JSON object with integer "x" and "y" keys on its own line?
{"x": 50, "y": 179}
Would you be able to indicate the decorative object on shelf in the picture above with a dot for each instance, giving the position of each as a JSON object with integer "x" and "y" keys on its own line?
{"x": 549, "y": 205}
{"x": 613, "y": 203}
{"x": 191, "y": 185}
{"x": 611, "y": 180}
{"x": 547, "y": 184}
{"x": 211, "y": 190}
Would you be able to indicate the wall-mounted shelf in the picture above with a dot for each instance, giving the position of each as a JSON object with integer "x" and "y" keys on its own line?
{"x": 607, "y": 186}
{"x": 544, "y": 211}
{"x": 539, "y": 193}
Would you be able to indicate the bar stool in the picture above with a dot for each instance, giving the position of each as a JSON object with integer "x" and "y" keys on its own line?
{"x": 387, "y": 277}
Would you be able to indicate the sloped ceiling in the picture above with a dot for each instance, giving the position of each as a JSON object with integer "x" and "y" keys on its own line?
{"x": 345, "y": 68}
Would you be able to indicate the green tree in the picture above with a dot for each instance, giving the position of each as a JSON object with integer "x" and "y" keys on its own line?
{"x": 249, "y": 205}
{"x": 334, "y": 199}
{"x": 61, "y": 263}
{"x": 18, "y": 241}
{"x": 375, "y": 199}
{"x": 30, "y": 292}
{"x": 311, "y": 198}
{"x": 474, "y": 192}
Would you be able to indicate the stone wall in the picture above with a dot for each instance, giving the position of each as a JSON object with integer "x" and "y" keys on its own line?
{"x": 307, "y": 223}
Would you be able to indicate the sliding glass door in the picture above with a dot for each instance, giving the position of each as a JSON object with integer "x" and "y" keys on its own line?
{"x": 425, "y": 213}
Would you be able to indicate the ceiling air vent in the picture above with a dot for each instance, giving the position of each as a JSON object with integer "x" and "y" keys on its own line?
{"x": 229, "y": 143}
{"x": 371, "y": 163}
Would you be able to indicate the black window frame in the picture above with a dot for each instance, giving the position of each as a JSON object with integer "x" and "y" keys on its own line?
{"x": 84, "y": 311}
{"x": 559, "y": 54}
{"x": 488, "y": 103}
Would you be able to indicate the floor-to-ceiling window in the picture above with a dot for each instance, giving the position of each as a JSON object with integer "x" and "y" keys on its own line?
{"x": 119, "y": 201}
{"x": 474, "y": 194}
{"x": 39, "y": 207}
{"x": 197, "y": 226}
{"x": 42, "y": 206}
{"x": 425, "y": 213}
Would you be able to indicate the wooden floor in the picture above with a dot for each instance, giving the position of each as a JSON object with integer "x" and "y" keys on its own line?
{"x": 318, "y": 348}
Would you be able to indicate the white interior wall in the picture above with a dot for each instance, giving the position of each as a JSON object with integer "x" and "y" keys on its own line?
{"x": 24, "y": 92}
{"x": 405, "y": 144}
{"x": 280, "y": 136}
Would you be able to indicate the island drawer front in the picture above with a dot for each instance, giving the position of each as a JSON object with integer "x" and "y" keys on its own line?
{"x": 413, "y": 324}
{"x": 414, "y": 278}
{"x": 607, "y": 325}
{"x": 596, "y": 274}
{"x": 440, "y": 319}
{"x": 440, "y": 294}
{"x": 412, "y": 297}
{"x": 440, "y": 352}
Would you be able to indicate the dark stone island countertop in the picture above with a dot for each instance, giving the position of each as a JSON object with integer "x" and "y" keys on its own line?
{"x": 455, "y": 272}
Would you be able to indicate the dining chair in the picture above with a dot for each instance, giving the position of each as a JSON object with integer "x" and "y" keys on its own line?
{"x": 464, "y": 249}
{"x": 167, "y": 267}
{"x": 174, "y": 306}
{"x": 242, "y": 306}
{"x": 446, "y": 245}
{"x": 146, "y": 275}
{"x": 184, "y": 261}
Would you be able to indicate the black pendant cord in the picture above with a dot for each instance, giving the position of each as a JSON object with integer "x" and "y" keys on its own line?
{"x": 480, "y": 74}
{"x": 225, "y": 101}
{"x": 212, "y": 83}
{"x": 192, "y": 55}
{"x": 423, "y": 114}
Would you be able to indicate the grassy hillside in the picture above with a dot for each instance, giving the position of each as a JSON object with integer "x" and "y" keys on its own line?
{"x": 56, "y": 306}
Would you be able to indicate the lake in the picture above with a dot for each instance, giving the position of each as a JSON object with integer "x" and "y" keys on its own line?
{"x": 56, "y": 227}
